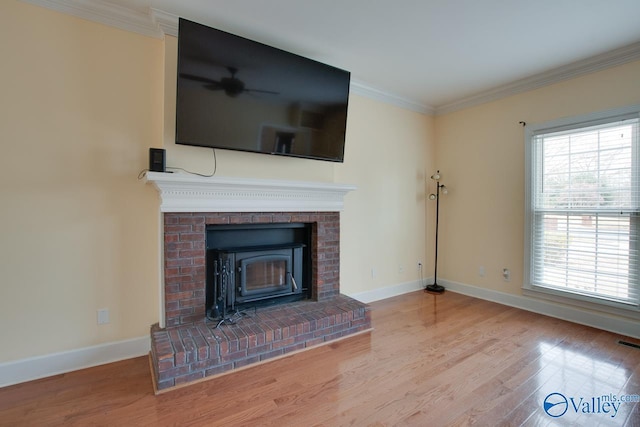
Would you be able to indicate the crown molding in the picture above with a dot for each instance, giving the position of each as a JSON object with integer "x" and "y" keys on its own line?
{"x": 169, "y": 25}
{"x": 167, "y": 22}
{"x": 157, "y": 23}
{"x": 360, "y": 88}
{"x": 601, "y": 62}
{"x": 113, "y": 15}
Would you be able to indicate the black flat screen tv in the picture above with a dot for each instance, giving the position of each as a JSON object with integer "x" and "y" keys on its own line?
{"x": 238, "y": 94}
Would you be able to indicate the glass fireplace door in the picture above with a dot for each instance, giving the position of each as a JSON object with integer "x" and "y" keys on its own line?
{"x": 268, "y": 273}
{"x": 265, "y": 274}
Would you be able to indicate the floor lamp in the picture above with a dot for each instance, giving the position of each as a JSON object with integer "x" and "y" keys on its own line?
{"x": 440, "y": 189}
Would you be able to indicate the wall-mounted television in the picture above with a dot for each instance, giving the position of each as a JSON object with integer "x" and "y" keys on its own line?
{"x": 238, "y": 94}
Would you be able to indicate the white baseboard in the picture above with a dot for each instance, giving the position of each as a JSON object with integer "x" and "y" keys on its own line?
{"x": 387, "y": 292}
{"x": 34, "y": 368}
{"x": 602, "y": 321}
{"x": 58, "y": 363}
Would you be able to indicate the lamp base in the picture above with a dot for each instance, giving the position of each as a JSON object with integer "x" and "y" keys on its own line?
{"x": 434, "y": 289}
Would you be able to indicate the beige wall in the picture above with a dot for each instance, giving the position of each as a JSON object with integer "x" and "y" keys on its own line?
{"x": 388, "y": 153}
{"x": 480, "y": 152}
{"x": 80, "y": 105}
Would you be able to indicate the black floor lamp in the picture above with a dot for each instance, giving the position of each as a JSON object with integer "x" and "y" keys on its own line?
{"x": 440, "y": 189}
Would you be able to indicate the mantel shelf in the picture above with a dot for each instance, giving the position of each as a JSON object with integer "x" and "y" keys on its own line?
{"x": 181, "y": 192}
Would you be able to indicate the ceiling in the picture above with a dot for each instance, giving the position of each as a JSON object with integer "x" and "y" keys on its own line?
{"x": 430, "y": 53}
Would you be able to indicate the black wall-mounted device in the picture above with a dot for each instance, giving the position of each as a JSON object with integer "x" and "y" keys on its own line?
{"x": 157, "y": 160}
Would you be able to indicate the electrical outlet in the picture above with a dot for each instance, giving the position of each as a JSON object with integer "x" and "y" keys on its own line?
{"x": 419, "y": 266}
{"x": 481, "y": 271}
{"x": 506, "y": 274}
{"x": 400, "y": 268}
{"x": 373, "y": 273}
{"x": 103, "y": 316}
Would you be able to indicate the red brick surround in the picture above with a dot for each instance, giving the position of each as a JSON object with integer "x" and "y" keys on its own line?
{"x": 191, "y": 348}
{"x": 184, "y": 249}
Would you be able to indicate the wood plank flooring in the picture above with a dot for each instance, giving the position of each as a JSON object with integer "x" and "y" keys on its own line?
{"x": 446, "y": 360}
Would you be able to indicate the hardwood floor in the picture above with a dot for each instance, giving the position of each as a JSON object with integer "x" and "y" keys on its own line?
{"x": 431, "y": 361}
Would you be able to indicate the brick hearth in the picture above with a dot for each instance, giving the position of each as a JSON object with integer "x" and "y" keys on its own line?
{"x": 188, "y": 353}
{"x": 190, "y": 348}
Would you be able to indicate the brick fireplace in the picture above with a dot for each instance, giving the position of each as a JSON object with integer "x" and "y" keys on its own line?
{"x": 185, "y": 256}
{"x": 187, "y": 346}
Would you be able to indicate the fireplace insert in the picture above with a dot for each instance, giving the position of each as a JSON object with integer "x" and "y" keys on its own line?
{"x": 269, "y": 266}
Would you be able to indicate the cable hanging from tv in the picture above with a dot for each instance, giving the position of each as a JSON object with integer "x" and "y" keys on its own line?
{"x": 215, "y": 167}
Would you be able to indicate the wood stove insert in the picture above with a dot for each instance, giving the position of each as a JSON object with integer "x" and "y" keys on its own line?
{"x": 254, "y": 265}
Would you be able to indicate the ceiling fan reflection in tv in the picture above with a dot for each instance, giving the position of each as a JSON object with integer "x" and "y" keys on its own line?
{"x": 232, "y": 86}
{"x": 261, "y": 98}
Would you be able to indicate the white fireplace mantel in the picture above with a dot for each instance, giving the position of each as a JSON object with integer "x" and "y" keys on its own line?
{"x": 181, "y": 192}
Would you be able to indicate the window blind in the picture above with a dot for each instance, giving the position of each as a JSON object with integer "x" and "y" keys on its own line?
{"x": 585, "y": 210}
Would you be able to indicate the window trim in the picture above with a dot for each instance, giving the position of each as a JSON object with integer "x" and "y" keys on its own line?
{"x": 567, "y": 297}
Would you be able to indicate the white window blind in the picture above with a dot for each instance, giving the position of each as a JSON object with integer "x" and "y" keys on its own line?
{"x": 584, "y": 209}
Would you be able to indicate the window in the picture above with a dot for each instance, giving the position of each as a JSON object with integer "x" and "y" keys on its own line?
{"x": 583, "y": 209}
